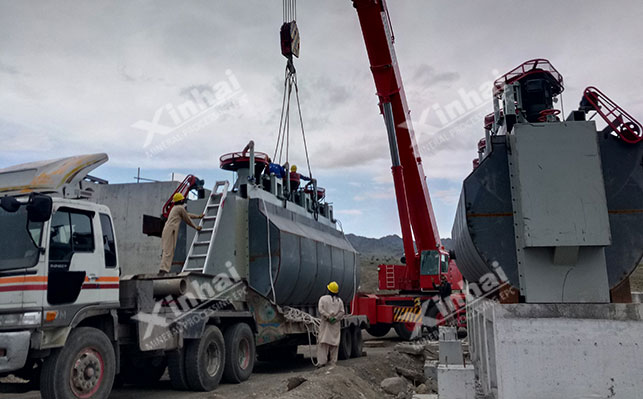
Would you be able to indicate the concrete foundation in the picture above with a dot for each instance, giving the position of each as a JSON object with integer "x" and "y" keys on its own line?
{"x": 557, "y": 351}
{"x": 456, "y": 381}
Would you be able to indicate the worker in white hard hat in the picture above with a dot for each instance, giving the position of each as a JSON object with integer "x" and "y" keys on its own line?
{"x": 331, "y": 310}
{"x": 171, "y": 230}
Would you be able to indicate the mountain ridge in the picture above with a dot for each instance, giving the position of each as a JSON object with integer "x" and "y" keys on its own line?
{"x": 387, "y": 245}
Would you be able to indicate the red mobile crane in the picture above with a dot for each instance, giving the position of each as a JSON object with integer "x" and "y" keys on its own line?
{"x": 427, "y": 259}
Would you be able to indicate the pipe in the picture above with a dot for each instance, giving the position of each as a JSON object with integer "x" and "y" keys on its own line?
{"x": 170, "y": 286}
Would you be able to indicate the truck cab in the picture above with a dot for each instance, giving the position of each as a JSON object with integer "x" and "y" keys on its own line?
{"x": 58, "y": 262}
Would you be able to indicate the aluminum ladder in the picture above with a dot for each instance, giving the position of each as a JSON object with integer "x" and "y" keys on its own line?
{"x": 199, "y": 253}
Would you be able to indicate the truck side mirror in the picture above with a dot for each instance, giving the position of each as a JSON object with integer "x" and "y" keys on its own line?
{"x": 39, "y": 208}
{"x": 9, "y": 204}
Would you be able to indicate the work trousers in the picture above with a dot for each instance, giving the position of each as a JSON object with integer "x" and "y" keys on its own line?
{"x": 323, "y": 352}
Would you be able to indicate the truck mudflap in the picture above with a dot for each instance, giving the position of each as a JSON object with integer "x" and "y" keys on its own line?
{"x": 16, "y": 348}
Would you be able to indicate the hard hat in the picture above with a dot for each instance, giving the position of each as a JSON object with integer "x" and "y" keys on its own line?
{"x": 293, "y": 168}
{"x": 333, "y": 287}
{"x": 178, "y": 197}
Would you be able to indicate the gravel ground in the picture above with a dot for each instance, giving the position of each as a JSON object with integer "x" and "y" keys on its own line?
{"x": 351, "y": 379}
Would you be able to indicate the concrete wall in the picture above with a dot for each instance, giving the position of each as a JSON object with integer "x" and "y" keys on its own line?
{"x": 558, "y": 351}
{"x": 139, "y": 253}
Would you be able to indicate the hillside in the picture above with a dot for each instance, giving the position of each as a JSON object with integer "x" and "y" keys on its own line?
{"x": 376, "y": 251}
{"x": 390, "y": 245}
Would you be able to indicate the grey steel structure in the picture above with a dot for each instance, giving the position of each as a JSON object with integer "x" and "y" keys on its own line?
{"x": 283, "y": 241}
{"x": 557, "y": 205}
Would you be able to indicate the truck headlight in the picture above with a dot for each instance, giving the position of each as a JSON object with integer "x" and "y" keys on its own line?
{"x": 20, "y": 319}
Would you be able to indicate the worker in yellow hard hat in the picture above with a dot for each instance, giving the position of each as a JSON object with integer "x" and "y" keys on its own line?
{"x": 171, "y": 230}
{"x": 331, "y": 310}
{"x": 296, "y": 178}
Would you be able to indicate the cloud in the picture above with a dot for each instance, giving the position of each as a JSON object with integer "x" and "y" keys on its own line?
{"x": 449, "y": 197}
{"x": 350, "y": 212}
{"x": 8, "y": 69}
{"x": 382, "y": 193}
{"x": 427, "y": 76}
{"x": 62, "y": 94}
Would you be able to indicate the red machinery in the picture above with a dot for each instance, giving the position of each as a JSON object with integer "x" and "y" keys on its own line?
{"x": 188, "y": 184}
{"x": 426, "y": 258}
{"x": 623, "y": 124}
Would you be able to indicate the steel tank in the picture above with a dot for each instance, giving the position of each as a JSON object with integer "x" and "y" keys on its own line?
{"x": 302, "y": 257}
{"x": 484, "y": 227}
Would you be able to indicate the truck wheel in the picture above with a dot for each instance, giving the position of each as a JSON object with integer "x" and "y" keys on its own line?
{"x": 205, "y": 360}
{"x": 239, "y": 353}
{"x": 406, "y": 331}
{"x": 345, "y": 344}
{"x": 176, "y": 370}
{"x": 83, "y": 368}
{"x": 379, "y": 330}
{"x": 358, "y": 341}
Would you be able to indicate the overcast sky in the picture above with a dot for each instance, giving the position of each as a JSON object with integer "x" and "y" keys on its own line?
{"x": 91, "y": 76}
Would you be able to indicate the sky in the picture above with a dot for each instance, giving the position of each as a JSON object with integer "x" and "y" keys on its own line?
{"x": 168, "y": 86}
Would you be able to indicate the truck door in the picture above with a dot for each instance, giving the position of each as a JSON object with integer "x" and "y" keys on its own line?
{"x": 77, "y": 262}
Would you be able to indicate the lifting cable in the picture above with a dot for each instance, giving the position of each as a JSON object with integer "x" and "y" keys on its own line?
{"x": 290, "y": 47}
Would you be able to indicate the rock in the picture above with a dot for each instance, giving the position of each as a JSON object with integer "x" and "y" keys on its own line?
{"x": 432, "y": 384}
{"x": 394, "y": 385}
{"x": 431, "y": 351}
{"x": 294, "y": 382}
{"x": 411, "y": 349}
{"x": 422, "y": 389}
{"x": 403, "y": 395}
{"x": 414, "y": 375}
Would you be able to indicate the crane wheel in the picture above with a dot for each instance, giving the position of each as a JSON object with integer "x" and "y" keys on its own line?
{"x": 407, "y": 331}
{"x": 345, "y": 344}
{"x": 379, "y": 330}
{"x": 240, "y": 353}
{"x": 83, "y": 368}
{"x": 205, "y": 360}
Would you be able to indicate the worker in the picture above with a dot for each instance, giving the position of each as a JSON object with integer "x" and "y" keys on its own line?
{"x": 171, "y": 230}
{"x": 296, "y": 178}
{"x": 331, "y": 309}
{"x": 444, "y": 290}
{"x": 276, "y": 169}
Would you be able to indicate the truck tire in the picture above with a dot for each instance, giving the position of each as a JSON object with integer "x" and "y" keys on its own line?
{"x": 83, "y": 368}
{"x": 379, "y": 330}
{"x": 205, "y": 360}
{"x": 345, "y": 344}
{"x": 176, "y": 370}
{"x": 358, "y": 341}
{"x": 239, "y": 353}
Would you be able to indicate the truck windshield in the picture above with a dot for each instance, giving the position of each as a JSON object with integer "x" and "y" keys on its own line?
{"x": 19, "y": 240}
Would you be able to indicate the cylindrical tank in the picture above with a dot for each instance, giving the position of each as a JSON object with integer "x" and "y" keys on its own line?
{"x": 305, "y": 255}
{"x": 483, "y": 229}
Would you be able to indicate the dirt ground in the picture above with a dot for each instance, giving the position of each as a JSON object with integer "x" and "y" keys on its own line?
{"x": 351, "y": 379}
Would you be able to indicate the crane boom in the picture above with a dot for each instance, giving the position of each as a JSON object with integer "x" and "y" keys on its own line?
{"x": 412, "y": 192}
